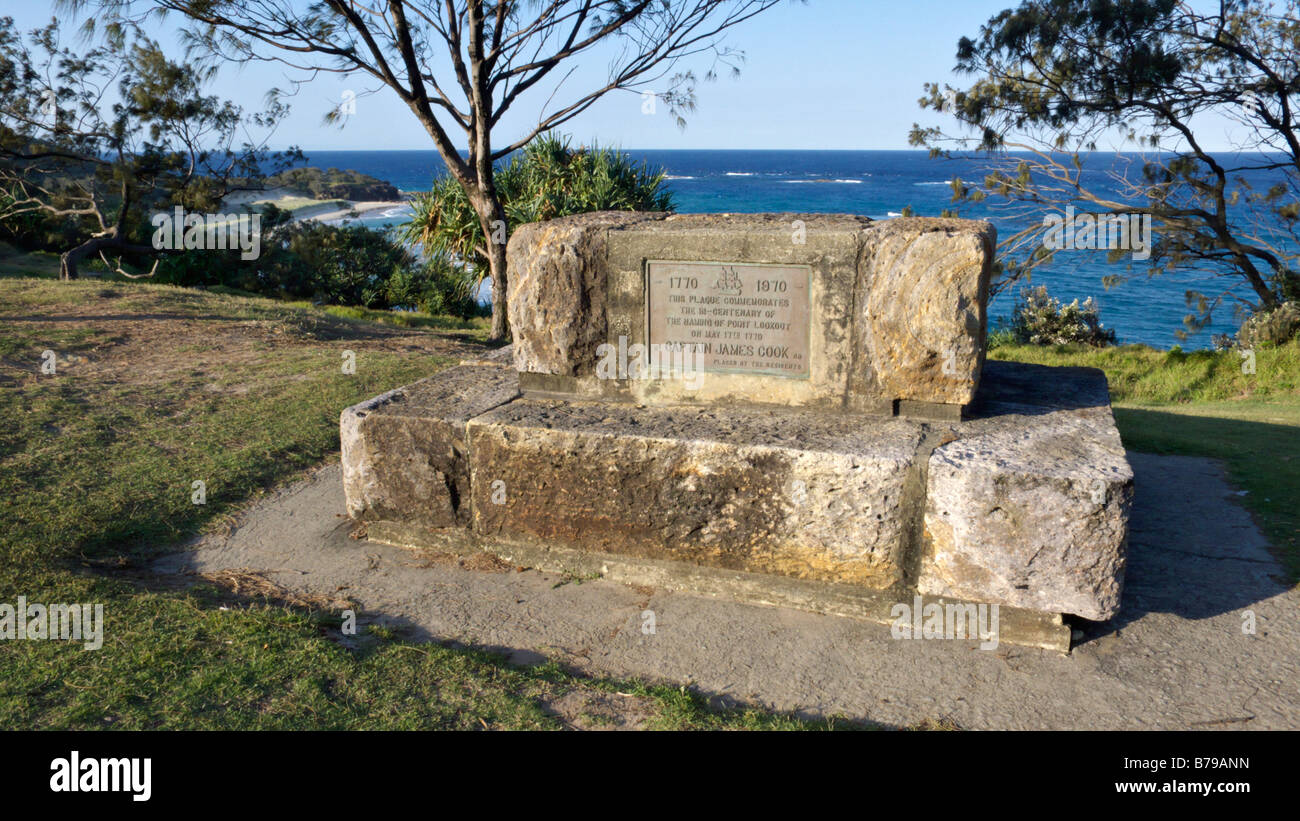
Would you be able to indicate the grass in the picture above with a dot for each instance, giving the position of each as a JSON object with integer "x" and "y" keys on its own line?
{"x": 17, "y": 263}
{"x": 295, "y": 204}
{"x": 404, "y": 319}
{"x": 157, "y": 387}
{"x": 1202, "y": 403}
{"x": 1140, "y": 374}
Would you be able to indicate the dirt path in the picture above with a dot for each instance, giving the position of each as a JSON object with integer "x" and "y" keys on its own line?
{"x": 1175, "y": 658}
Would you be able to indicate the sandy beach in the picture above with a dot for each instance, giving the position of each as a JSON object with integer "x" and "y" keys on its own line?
{"x": 305, "y": 208}
{"x": 330, "y": 213}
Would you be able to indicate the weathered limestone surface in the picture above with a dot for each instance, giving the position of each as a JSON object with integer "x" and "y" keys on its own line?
{"x": 557, "y": 288}
{"x": 922, "y": 312}
{"x": 404, "y": 456}
{"x": 897, "y": 307}
{"x": 898, "y": 460}
{"x": 1029, "y": 505}
{"x": 807, "y": 495}
{"x": 1024, "y": 505}
{"x": 504, "y": 356}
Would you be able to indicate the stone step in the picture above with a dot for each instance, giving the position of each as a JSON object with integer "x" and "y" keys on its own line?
{"x": 403, "y": 452}
{"x": 1024, "y": 505}
{"x": 796, "y": 493}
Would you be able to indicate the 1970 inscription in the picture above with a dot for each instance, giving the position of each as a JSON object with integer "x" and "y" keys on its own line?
{"x": 744, "y": 317}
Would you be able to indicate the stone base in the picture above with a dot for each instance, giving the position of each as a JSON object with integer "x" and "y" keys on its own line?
{"x": 1024, "y": 505}
{"x": 798, "y": 494}
{"x": 1026, "y": 628}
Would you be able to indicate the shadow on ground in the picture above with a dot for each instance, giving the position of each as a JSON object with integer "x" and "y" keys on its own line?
{"x": 1176, "y": 657}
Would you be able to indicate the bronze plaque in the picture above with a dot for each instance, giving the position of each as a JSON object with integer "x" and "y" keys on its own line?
{"x": 745, "y": 317}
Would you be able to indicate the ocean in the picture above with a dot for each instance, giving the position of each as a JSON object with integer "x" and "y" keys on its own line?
{"x": 879, "y": 184}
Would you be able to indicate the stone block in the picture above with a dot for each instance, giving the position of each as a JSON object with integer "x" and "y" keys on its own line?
{"x": 801, "y": 494}
{"x": 1028, "y": 505}
{"x": 556, "y": 292}
{"x": 868, "y": 313}
{"x": 404, "y": 456}
{"x": 921, "y": 316}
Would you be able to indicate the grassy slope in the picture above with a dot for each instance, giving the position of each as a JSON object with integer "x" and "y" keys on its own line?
{"x": 96, "y": 465}
{"x": 1203, "y": 404}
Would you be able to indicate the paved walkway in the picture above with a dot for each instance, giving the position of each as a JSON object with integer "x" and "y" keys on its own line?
{"x": 1176, "y": 657}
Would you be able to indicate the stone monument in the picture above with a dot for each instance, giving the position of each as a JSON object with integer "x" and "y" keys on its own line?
{"x": 783, "y": 409}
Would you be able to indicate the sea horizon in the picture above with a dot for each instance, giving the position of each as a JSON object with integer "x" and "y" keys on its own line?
{"x": 880, "y": 184}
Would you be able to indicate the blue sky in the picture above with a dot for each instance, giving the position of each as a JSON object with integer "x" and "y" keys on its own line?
{"x": 831, "y": 74}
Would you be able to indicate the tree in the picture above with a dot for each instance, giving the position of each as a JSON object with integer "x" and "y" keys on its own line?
{"x": 1056, "y": 77}
{"x": 495, "y": 52}
{"x": 548, "y": 179}
{"x": 99, "y": 138}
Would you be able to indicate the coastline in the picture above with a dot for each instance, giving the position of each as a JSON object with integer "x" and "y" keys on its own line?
{"x": 361, "y": 208}
{"x": 303, "y": 208}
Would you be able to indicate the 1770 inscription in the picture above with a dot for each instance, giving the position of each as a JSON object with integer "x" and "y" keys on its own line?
{"x": 744, "y": 317}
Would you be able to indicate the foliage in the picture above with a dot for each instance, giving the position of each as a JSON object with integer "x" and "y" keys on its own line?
{"x": 83, "y": 169}
{"x": 999, "y": 337}
{"x": 351, "y": 265}
{"x": 1052, "y": 77}
{"x": 460, "y": 67}
{"x": 331, "y": 183}
{"x": 1270, "y": 328}
{"x": 1040, "y": 319}
{"x": 1145, "y": 375}
{"x": 348, "y": 265}
{"x": 435, "y": 286}
{"x": 548, "y": 179}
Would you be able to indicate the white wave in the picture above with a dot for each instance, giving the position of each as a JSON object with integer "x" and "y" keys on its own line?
{"x": 675, "y": 177}
{"x": 740, "y": 174}
{"x": 945, "y": 182}
{"x": 844, "y": 182}
{"x": 894, "y": 213}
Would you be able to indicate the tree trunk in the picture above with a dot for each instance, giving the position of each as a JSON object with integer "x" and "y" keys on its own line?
{"x": 1267, "y": 299}
{"x": 70, "y": 259}
{"x": 1246, "y": 266}
{"x": 492, "y": 219}
{"x": 500, "y": 323}
{"x": 67, "y": 266}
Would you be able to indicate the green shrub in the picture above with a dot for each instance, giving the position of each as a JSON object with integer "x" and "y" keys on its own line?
{"x": 1275, "y": 327}
{"x": 334, "y": 265}
{"x": 332, "y": 183}
{"x": 1040, "y": 319}
{"x": 348, "y": 265}
{"x": 548, "y": 179}
{"x": 999, "y": 337}
{"x": 438, "y": 286}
